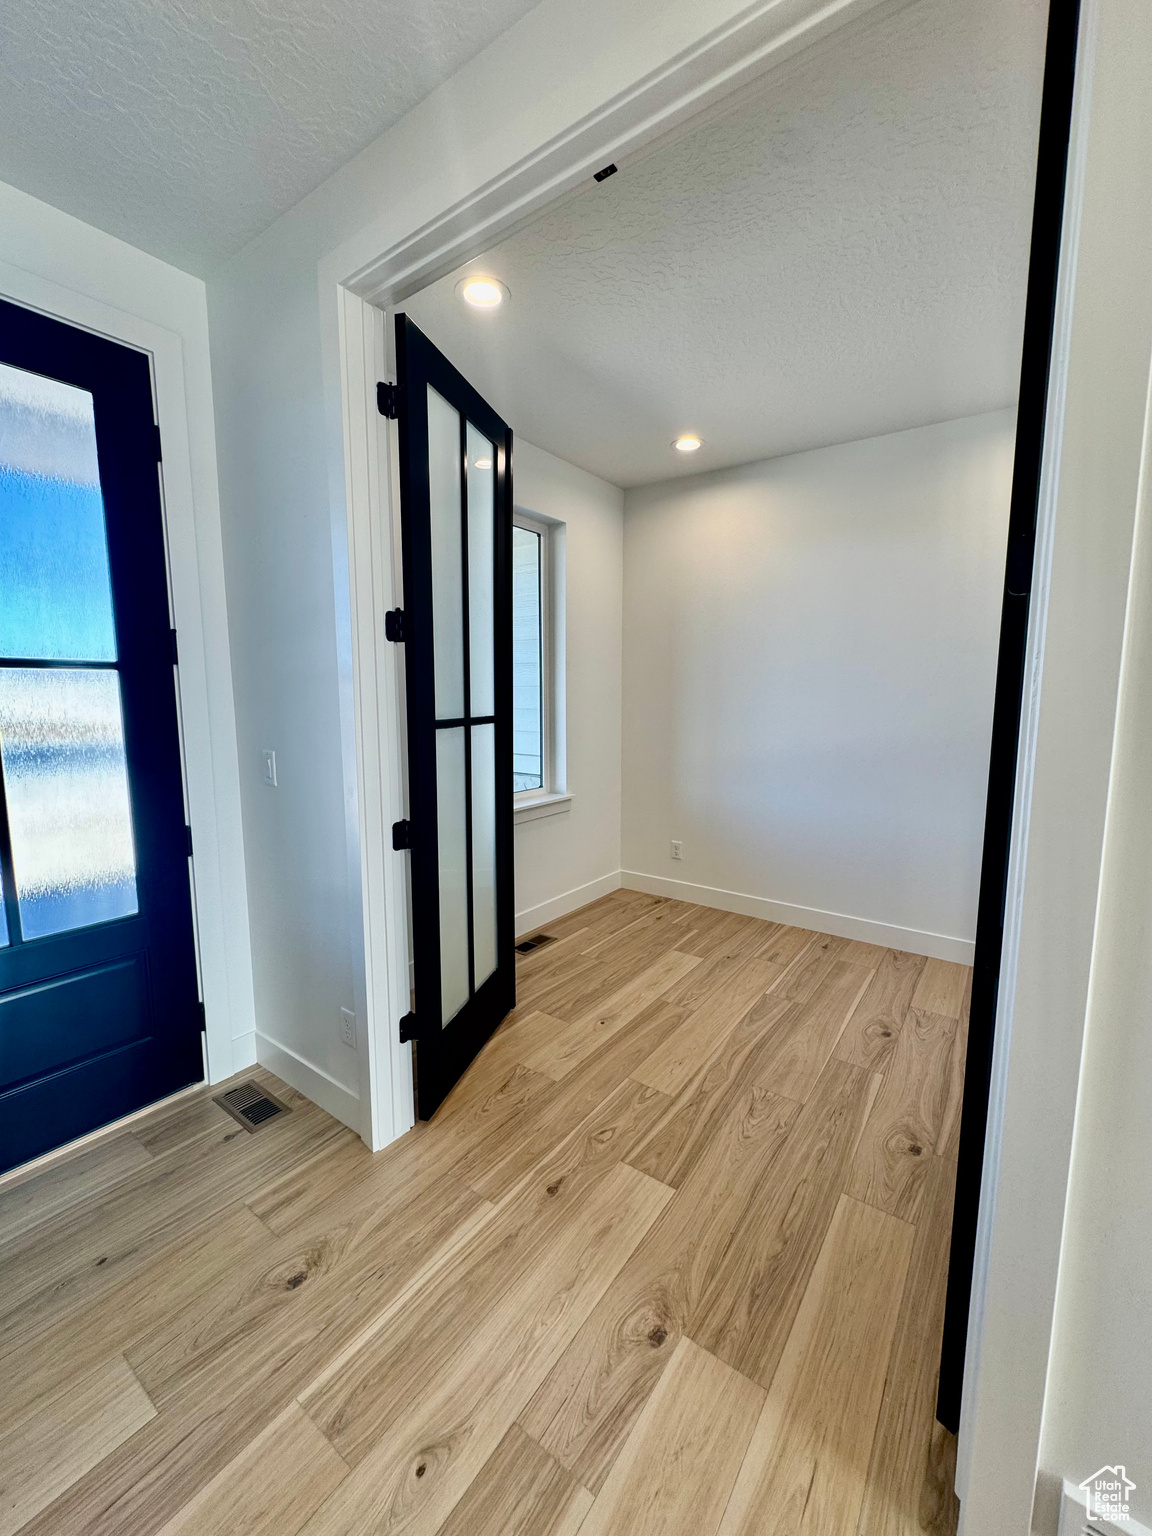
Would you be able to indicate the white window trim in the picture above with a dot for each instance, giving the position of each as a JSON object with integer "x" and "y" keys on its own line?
{"x": 535, "y": 804}
{"x": 552, "y": 799}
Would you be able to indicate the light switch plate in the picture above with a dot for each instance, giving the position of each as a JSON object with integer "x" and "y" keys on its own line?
{"x": 270, "y": 767}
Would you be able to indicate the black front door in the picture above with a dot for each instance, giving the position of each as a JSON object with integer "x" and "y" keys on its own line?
{"x": 456, "y": 517}
{"x": 99, "y": 1010}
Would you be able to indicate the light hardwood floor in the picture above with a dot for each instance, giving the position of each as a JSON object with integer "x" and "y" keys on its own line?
{"x": 670, "y": 1261}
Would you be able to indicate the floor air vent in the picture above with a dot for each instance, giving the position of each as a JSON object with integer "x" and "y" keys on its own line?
{"x": 252, "y": 1106}
{"x": 537, "y": 941}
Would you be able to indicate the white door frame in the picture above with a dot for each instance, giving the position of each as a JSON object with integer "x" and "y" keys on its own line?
{"x": 375, "y": 271}
{"x": 1089, "y": 490}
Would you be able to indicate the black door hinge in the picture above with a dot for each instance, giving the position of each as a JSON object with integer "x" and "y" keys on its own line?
{"x": 159, "y": 453}
{"x": 175, "y": 649}
{"x": 203, "y": 1019}
{"x": 1018, "y": 577}
{"x": 401, "y": 835}
{"x": 394, "y": 625}
{"x": 388, "y": 400}
{"x": 407, "y": 1028}
{"x": 188, "y": 835}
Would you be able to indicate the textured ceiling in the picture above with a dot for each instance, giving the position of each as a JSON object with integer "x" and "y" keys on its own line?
{"x": 187, "y": 126}
{"x": 843, "y": 254}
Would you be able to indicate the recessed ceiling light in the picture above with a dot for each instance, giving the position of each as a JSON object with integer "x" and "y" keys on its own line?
{"x": 483, "y": 463}
{"x": 482, "y": 292}
{"x": 688, "y": 443}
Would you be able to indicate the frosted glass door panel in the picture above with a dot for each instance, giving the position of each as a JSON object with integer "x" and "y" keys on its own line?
{"x": 527, "y": 667}
{"x": 3, "y": 917}
{"x": 55, "y": 587}
{"x": 444, "y": 490}
{"x": 484, "y": 851}
{"x": 452, "y": 837}
{"x": 62, "y": 746}
{"x": 481, "y": 570}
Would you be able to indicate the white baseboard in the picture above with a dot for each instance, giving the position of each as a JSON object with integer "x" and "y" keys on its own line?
{"x": 310, "y": 1080}
{"x": 938, "y": 945}
{"x": 559, "y": 906}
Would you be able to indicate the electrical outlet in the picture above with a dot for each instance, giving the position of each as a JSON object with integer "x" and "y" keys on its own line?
{"x": 270, "y": 768}
{"x": 677, "y": 850}
{"x": 348, "y": 1027}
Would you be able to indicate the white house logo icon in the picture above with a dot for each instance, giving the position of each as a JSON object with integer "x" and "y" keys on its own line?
{"x": 1107, "y": 1493}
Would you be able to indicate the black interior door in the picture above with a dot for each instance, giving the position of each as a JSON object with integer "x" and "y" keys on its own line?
{"x": 456, "y": 518}
{"x": 99, "y": 1010}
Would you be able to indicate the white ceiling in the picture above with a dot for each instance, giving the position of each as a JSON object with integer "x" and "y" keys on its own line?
{"x": 187, "y": 126}
{"x": 842, "y": 254}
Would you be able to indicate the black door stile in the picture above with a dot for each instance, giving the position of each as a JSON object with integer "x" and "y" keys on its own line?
{"x": 1036, "y": 360}
{"x": 101, "y": 1019}
{"x": 445, "y": 1047}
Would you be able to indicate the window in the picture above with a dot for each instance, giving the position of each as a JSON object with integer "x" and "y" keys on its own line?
{"x": 527, "y": 659}
{"x": 537, "y": 666}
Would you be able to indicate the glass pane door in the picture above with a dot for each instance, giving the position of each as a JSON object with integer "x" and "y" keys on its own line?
{"x": 456, "y": 505}
{"x": 67, "y": 855}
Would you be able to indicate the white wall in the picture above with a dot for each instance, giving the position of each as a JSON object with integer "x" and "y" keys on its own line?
{"x": 57, "y": 264}
{"x": 287, "y": 654}
{"x": 809, "y": 661}
{"x": 566, "y": 859}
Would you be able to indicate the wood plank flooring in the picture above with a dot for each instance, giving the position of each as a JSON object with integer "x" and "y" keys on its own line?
{"x": 669, "y": 1261}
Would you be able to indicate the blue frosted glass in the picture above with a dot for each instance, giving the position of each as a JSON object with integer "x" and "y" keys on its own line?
{"x": 3, "y": 916}
{"x": 62, "y": 745}
{"x": 55, "y": 588}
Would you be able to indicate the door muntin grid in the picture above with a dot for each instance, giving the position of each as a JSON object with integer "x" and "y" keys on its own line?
{"x": 462, "y": 466}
